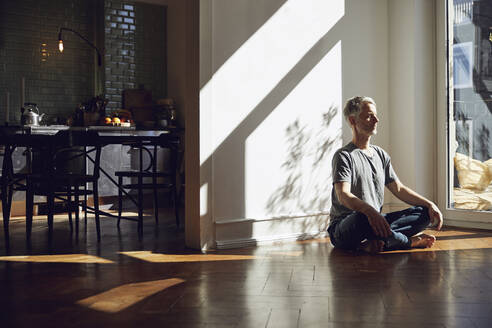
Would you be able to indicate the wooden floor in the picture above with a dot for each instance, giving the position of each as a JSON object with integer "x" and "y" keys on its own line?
{"x": 121, "y": 282}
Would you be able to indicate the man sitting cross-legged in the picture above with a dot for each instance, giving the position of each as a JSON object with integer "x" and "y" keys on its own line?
{"x": 360, "y": 173}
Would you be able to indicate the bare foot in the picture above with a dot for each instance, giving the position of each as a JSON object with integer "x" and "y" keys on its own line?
{"x": 422, "y": 241}
{"x": 372, "y": 246}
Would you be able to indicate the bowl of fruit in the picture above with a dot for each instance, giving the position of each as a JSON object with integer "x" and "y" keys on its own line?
{"x": 120, "y": 117}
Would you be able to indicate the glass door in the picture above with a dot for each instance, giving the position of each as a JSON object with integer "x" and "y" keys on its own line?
{"x": 465, "y": 104}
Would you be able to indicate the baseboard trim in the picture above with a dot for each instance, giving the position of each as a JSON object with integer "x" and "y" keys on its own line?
{"x": 467, "y": 224}
{"x": 273, "y": 218}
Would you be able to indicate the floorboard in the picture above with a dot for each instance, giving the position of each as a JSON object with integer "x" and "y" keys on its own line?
{"x": 126, "y": 282}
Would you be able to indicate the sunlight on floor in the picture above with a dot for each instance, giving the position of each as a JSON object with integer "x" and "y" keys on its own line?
{"x": 452, "y": 240}
{"x": 447, "y": 240}
{"x": 122, "y": 297}
{"x": 59, "y": 258}
{"x": 148, "y": 256}
{"x": 446, "y": 233}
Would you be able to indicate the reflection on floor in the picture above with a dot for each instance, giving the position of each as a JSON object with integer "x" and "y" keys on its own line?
{"x": 124, "y": 282}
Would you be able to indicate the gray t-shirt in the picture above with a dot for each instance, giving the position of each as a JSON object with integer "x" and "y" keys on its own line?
{"x": 367, "y": 176}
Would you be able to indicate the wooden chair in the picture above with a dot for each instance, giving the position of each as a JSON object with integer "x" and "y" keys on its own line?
{"x": 9, "y": 180}
{"x": 150, "y": 177}
{"x": 56, "y": 176}
{"x": 6, "y": 187}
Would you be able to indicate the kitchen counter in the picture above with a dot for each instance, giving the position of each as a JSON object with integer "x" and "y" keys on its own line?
{"x": 52, "y": 129}
{"x": 116, "y": 155}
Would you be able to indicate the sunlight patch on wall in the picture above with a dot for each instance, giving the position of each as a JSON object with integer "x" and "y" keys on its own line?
{"x": 122, "y": 297}
{"x": 59, "y": 258}
{"x": 293, "y": 147}
{"x": 204, "y": 199}
{"x": 254, "y": 70}
{"x": 175, "y": 258}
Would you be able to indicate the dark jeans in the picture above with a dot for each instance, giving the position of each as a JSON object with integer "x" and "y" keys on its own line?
{"x": 349, "y": 232}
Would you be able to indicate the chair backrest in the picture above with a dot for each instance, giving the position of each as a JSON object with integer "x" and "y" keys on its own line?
{"x": 7, "y": 170}
{"x": 5, "y": 155}
{"x": 73, "y": 138}
{"x": 72, "y": 149}
{"x": 147, "y": 150}
{"x": 169, "y": 140}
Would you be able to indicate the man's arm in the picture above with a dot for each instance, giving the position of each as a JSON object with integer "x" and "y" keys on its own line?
{"x": 378, "y": 224}
{"x": 410, "y": 197}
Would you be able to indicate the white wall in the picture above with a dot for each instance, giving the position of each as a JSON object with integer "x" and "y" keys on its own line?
{"x": 183, "y": 85}
{"x": 274, "y": 78}
{"x": 412, "y": 93}
{"x": 365, "y": 60}
{"x": 425, "y": 95}
{"x": 177, "y": 21}
{"x": 274, "y": 75}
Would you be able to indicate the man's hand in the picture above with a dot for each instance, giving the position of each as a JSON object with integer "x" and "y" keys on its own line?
{"x": 409, "y": 196}
{"x": 379, "y": 225}
{"x": 377, "y": 222}
{"x": 435, "y": 215}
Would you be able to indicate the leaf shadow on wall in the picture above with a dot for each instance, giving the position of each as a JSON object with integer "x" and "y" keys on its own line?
{"x": 302, "y": 189}
{"x": 223, "y": 195}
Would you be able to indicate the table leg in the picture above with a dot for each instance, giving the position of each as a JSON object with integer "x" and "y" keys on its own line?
{"x": 6, "y": 190}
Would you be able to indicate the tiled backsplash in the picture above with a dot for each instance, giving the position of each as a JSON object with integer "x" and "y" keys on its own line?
{"x": 134, "y": 53}
{"x": 29, "y": 50}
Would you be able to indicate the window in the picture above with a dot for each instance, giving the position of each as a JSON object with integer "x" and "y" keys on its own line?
{"x": 470, "y": 105}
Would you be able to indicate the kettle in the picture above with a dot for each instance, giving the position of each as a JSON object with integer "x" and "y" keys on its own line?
{"x": 31, "y": 117}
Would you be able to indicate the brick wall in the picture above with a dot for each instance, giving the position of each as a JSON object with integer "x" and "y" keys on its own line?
{"x": 134, "y": 53}
{"x": 119, "y": 47}
{"x": 150, "y": 57}
{"x": 29, "y": 48}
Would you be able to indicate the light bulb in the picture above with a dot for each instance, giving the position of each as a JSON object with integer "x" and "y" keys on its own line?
{"x": 60, "y": 45}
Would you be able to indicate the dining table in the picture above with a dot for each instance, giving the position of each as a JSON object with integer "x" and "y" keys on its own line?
{"x": 39, "y": 137}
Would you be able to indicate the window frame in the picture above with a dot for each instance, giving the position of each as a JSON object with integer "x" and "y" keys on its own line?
{"x": 445, "y": 125}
